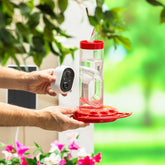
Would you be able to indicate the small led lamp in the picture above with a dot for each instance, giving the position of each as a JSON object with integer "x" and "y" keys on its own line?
{"x": 91, "y": 108}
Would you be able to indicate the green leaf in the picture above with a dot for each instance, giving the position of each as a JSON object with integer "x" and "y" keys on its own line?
{"x": 38, "y": 45}
{"x": 15, "y": 161}
{"x": 58, "y": 44}
{"x": 50, "y": 26}
{"x": 54, "y": 51}
{"x": 16, "y": 61}
{"x": 73, "y": 51}
{"x": 117, "y": 10}
{"x": 19, "y": 48}
{"x": 40, "y": 149}
{"x": 113, "y": 15}
{"x": 50, "y": 3}
{"x": 46, "y": 9}
{"x": 36, "y": 144}
{"x": 19, "y": 35}
{"x": 2, "y": 145}
{"x": 60, "y": 18}
{"x": 33, "y": 20}
{"x": 31, "y": 161}
{"x": 37, "y": 58}
{"x": 2, "y": 20}
{"x": 62, "y": 4}
{"x": 74, "y": 160}
{"x": 62, "y": 33}
{"x": 6, "y": 37}
{"x": 66, "y": 51}
{"x": 48, "y": 34}
{"x": 98, "y": 13}
{"x": 92, "y": 20}
{"x": 48, "y": 23}
{"x": 9, "y": 7}
{"x": 42, "y": 157}
{"x": 61, "y": 59}
{"x": 23, "y": 32}
{"x": 162, "y": 16}
{"x": 125, "y": 41}
{"x": 115, "y": 42}
{"x": 108, "y": 15}
{"x": 25, "y": 9}
{"x": 3, "y": 162}
{"x": 155, "y": 2}
{"x": 100, "y": 3}
{"x": 30, "y": 3}
{"x": 77, "y": 136}
{"x": 57, "y": 152}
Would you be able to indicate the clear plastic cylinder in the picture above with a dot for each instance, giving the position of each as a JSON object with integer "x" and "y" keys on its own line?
{"x": 91, "y": 73}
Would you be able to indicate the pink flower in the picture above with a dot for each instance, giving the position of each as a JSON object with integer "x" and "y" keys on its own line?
{"x": 70, "y": 156}
{"x": 23, "y": 160}
{"x": 20, "y": 148}
{"x": 74, "y": 146}
{"x": 86, "y": 161}
{"x": 60, "y": 146}
{"x": 8, "y": 155}
{"x": 30, "y": 156}
{"x": 56, "y": 143}
{"x": 38, "y": 163}
{"x": 9, "y": 148}
{"x": 62, "y": 162}
{"x": 97, "y": 158}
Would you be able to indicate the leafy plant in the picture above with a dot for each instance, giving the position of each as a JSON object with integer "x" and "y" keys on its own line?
{"x": 35, "y": 33}
{"x": 109, "y": 24}
{"x": 59, "y": 154}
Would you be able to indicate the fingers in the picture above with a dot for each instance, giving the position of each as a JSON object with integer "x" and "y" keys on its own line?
{"x": 47, "y": 75}
{"x": 56, "y": 119}
{"x": 70, "y": 123}
{"x": 76, "y": 124}
{"x": 50, "y": 92}
{"x": 64, "y": 94}
{"x": 48, "y": 71}
{"x": 66, "y": 110}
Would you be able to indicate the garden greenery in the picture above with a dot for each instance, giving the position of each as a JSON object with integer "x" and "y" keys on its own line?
{"x": 59, "y": 154}
{"x": 35, "y": 34}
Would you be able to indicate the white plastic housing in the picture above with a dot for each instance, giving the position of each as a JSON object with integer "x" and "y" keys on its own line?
{"x": 58, "y": 73}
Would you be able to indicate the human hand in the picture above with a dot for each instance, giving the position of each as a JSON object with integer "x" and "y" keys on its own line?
{"x": 39, "y": 82}
{"x": 58, "y": 118}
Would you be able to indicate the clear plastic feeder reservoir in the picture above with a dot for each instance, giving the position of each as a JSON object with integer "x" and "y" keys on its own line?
{"x": 91, "y": 108}
{"x": 91, "y": 73}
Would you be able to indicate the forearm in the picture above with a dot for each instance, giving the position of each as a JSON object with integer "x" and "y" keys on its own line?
{"x": 12, "y": 78}
{"x": 11, "y": 115}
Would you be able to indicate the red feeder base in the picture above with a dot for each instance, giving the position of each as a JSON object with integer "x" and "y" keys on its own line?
{"x": 98, "y": 115}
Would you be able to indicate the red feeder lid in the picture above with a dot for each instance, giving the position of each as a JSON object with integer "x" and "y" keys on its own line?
{"x": 96, "y": 44}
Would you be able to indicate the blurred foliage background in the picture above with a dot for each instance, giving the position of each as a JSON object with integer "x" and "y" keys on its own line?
{"x": 134, "y": 82}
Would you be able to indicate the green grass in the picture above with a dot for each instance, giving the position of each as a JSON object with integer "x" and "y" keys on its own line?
{"x": 131, "y": 153}
{"x": 128, "y": 142}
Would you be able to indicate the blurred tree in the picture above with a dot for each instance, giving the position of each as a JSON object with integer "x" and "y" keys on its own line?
{"x": 145, "y": 64}
{"x": 159, "y": 3}
{"x": 35, "y": 34}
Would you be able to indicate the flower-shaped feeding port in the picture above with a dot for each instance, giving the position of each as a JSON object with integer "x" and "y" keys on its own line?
{"x": 103, "y": 114}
